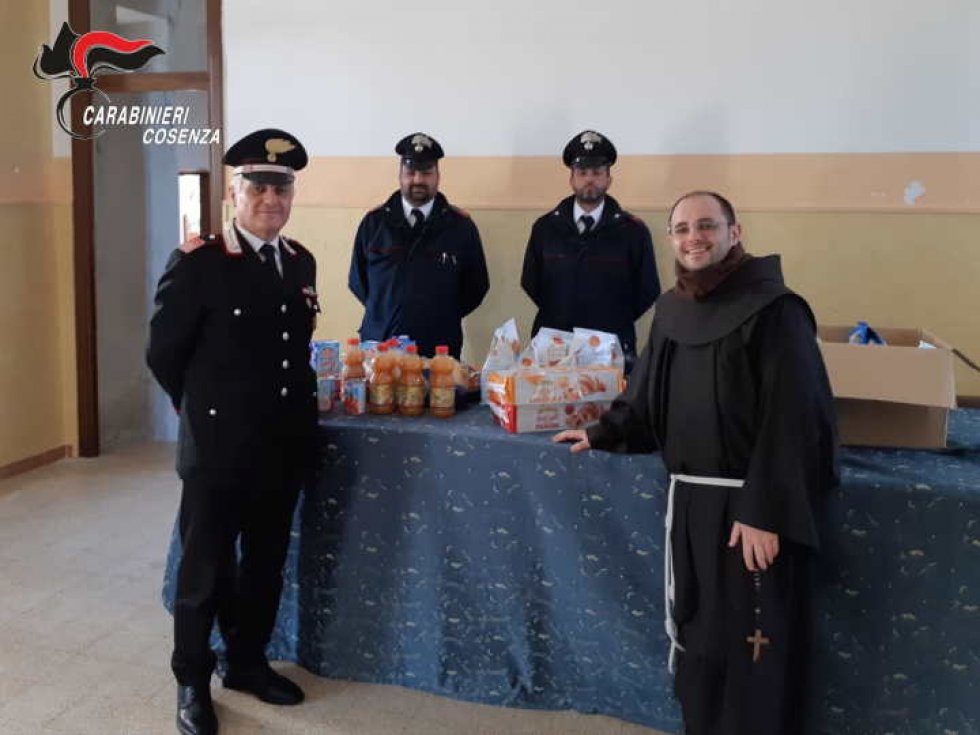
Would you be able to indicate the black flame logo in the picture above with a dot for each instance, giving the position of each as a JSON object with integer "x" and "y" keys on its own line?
{"x": 81, "y": 57}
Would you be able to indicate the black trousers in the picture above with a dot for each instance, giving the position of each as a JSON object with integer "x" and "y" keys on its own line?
{"x": 238, "y": 586}
{"x": 719, "y": 605}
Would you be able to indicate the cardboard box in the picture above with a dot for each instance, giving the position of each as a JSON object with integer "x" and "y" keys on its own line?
{"x": 894, "y": 395}
{"x": 551, "y": 399}
{"x": 548, "y": 417}
{"x": 554, "y": 385}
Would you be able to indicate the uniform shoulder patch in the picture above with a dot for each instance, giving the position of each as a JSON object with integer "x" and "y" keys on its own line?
{"x": 461, "y": 212}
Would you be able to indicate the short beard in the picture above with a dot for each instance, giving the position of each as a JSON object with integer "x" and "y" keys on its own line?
{"x": 583, "y": 198}
{"x": 415, "y": 195}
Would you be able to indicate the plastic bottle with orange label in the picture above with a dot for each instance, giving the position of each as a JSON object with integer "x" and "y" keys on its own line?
{"x": 411, "y": 385}
{"x": 442, "y": 387}
{"x": 381, "y": 386}
{"x": 395, "y": 355}
{"x": 353, "y": 377}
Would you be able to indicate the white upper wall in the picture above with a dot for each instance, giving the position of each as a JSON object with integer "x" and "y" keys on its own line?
{"x": 519, "y": 77}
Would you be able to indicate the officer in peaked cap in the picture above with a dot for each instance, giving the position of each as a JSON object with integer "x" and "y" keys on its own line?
{"x": 589, "y": 263}
{"x": 417, "y": 264}
{"x": 229, "y": 343}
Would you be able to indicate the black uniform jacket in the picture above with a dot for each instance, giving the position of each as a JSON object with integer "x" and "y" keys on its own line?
{"x": 420, "y": 284}
{"x": 734, "y": 386}
{"x": 605, "y": 279}
{"x": 229, "y": 343}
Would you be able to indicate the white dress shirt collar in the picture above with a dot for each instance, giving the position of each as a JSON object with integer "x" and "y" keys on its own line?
{"x": 255, "y": 242}
{"x": 595, "y": 214}
{"x": 425, "y": 209}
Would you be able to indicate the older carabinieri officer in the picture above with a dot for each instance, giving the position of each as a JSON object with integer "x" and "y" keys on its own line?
{"x": 229, "y": 343}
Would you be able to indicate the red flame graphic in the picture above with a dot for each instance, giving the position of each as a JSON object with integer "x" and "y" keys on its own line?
{"x": 101, "y": 38}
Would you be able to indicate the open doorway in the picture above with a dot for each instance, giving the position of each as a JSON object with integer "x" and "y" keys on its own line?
{"x": 138, "y": 222}
{"x": 137, "y": 194}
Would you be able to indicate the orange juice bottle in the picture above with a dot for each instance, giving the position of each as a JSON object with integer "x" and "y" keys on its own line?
{"x": 396, "y": 373}
{"x": 381, "y": 386}
{"x": 353, "y": 378}
{"x": 411, "y": 384}
{"x": 442, "y": 388}
{"x": 395, "y": 355}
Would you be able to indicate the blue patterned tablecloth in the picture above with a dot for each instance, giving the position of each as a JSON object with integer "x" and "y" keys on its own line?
{"x": 452, "y": 557}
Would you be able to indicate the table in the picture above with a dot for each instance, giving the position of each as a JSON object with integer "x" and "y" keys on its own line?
{"x": 452, "y": 557}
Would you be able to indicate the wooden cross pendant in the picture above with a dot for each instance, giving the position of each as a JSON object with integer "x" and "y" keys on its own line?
{"x": 757, "y": 641}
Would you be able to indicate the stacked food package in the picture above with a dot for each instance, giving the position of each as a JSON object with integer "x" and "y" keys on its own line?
{"x": 563, "y": 380}
{"x": 325, "y": 356}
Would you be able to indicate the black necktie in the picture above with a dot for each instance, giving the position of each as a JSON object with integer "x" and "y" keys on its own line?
{"x": 587, "y": 221}
{"x": 268, "y": 253}
{"x": 419, "y": 219}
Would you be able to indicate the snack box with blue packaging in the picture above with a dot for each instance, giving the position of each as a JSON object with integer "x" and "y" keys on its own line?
{"x": 325, "y": 358}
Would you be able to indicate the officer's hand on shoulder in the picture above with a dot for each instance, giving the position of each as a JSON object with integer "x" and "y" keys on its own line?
{"x": 192, "y": 243}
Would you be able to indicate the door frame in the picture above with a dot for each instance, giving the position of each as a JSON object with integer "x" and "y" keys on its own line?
{"x": 83, "y": 200}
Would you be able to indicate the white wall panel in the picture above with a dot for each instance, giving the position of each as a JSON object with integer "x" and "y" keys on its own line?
{"x": 515, "y": 77}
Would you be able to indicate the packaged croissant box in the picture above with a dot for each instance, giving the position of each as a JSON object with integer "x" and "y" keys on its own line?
{"x": 549, "y": 417}
{"x": 526, "y": 386}
{"x": 562, "y": 380}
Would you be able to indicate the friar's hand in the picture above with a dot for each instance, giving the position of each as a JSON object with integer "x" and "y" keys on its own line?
{"x": 578, "y": 436}
{"x": 759, "y": 548}
{"x": 193, "y": 242}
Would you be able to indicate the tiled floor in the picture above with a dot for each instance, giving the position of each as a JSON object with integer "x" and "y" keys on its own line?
{"x": 84, "y": 640}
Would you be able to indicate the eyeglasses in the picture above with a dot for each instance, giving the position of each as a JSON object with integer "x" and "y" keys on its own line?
{"x": 703, "y": 227}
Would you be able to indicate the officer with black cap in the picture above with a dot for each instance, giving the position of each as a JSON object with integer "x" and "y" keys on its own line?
{"x": 229, "y": 343}
{"x": 418, "y": 265}
{"x": 589, "y": 263}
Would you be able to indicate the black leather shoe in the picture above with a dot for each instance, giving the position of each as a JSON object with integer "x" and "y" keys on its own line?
{"x": 195, "y": 711}
{"x": 265, "y": 684}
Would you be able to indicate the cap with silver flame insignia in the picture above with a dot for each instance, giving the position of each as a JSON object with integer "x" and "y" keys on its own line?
{"x": 268, "y": 156}
{"x": 419, "y": 151}
{"x": 589, "y": 149}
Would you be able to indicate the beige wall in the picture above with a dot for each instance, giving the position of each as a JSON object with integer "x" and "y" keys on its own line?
{"x": 889, "y": 268}
{"x": 826, "y": 182}
{"x": 37, "y": 354}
